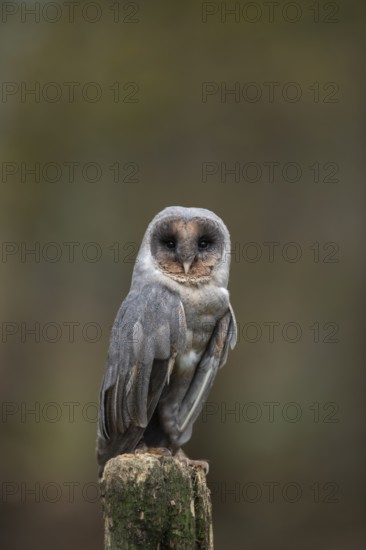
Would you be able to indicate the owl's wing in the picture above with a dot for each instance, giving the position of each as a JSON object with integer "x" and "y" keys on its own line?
{"x": 148, "y": 332}
{"x": 214, "y": 357}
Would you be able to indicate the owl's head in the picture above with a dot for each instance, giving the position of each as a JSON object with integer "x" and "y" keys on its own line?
{"x": 189, "y": 245}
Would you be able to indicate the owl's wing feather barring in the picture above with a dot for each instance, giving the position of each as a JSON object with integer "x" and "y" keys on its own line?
{"x": 214, "y": 357}
{"x": 147, "y": 334}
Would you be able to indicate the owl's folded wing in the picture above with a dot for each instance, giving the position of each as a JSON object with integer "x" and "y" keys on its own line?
{"x": 214, "y": 357}
{"x": 148, "y": 332}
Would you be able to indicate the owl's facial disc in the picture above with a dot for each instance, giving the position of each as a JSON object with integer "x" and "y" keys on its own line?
{"x": 187, "y": 251}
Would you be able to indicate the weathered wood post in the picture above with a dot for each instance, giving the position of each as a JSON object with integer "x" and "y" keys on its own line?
{"x": 155, "y": 503}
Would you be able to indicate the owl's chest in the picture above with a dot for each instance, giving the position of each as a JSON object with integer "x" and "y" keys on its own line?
{"x": 203, "y": 307}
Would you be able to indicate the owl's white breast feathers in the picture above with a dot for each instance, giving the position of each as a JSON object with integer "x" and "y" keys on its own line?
{"x": 187, "y": 361}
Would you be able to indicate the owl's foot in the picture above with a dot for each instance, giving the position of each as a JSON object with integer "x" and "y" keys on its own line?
{"x": 180, "y": 455}
{"x": 141, "y": 448}
{"x": 157, "y": 451}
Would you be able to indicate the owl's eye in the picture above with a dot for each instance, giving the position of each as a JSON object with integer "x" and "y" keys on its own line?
{"x": 203, "y": 243}
{"x": 170, "y": 243}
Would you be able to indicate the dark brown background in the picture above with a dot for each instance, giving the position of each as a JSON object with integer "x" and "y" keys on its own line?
{"x": 169, "y": 51}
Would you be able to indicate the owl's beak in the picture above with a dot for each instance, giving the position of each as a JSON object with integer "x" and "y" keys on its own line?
{"x": 187, "y": 264}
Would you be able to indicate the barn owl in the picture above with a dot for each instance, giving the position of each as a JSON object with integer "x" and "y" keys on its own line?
{"x": 170, "y": 336}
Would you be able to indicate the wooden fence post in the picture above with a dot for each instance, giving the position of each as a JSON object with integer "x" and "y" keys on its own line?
{"x": 155, "y": 503}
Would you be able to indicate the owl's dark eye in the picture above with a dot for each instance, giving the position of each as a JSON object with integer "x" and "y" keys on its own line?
{"x": 170, "y": 243}
{"x": 203, "y": 243}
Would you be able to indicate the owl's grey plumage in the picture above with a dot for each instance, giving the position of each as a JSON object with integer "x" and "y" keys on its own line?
{"x": 170, "y": 336}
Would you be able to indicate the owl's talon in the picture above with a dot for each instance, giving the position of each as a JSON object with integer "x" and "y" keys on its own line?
{"x": 200, "y": 464}
{"x": 141, "y": 449}
{"x": 180, "y": 455}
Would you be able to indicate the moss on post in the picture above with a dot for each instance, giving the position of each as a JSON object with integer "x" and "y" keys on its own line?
{"x": 155, "y": 503}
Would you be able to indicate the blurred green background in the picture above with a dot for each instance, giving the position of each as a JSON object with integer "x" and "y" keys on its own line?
{"x": 287, "y": 467}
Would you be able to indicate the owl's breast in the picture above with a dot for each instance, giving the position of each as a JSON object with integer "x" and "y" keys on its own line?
{"x": 203, "y": 308}
{"x": 206, "y": 303}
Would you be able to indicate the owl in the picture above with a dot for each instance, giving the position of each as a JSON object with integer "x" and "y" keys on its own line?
{"x": 170, "y": 336}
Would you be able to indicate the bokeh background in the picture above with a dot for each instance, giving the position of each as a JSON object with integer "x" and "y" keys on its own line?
{"x": 287, "y": 466}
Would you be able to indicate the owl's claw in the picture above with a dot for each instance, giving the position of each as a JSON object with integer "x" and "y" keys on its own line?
{"x": 180, "y": 455}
